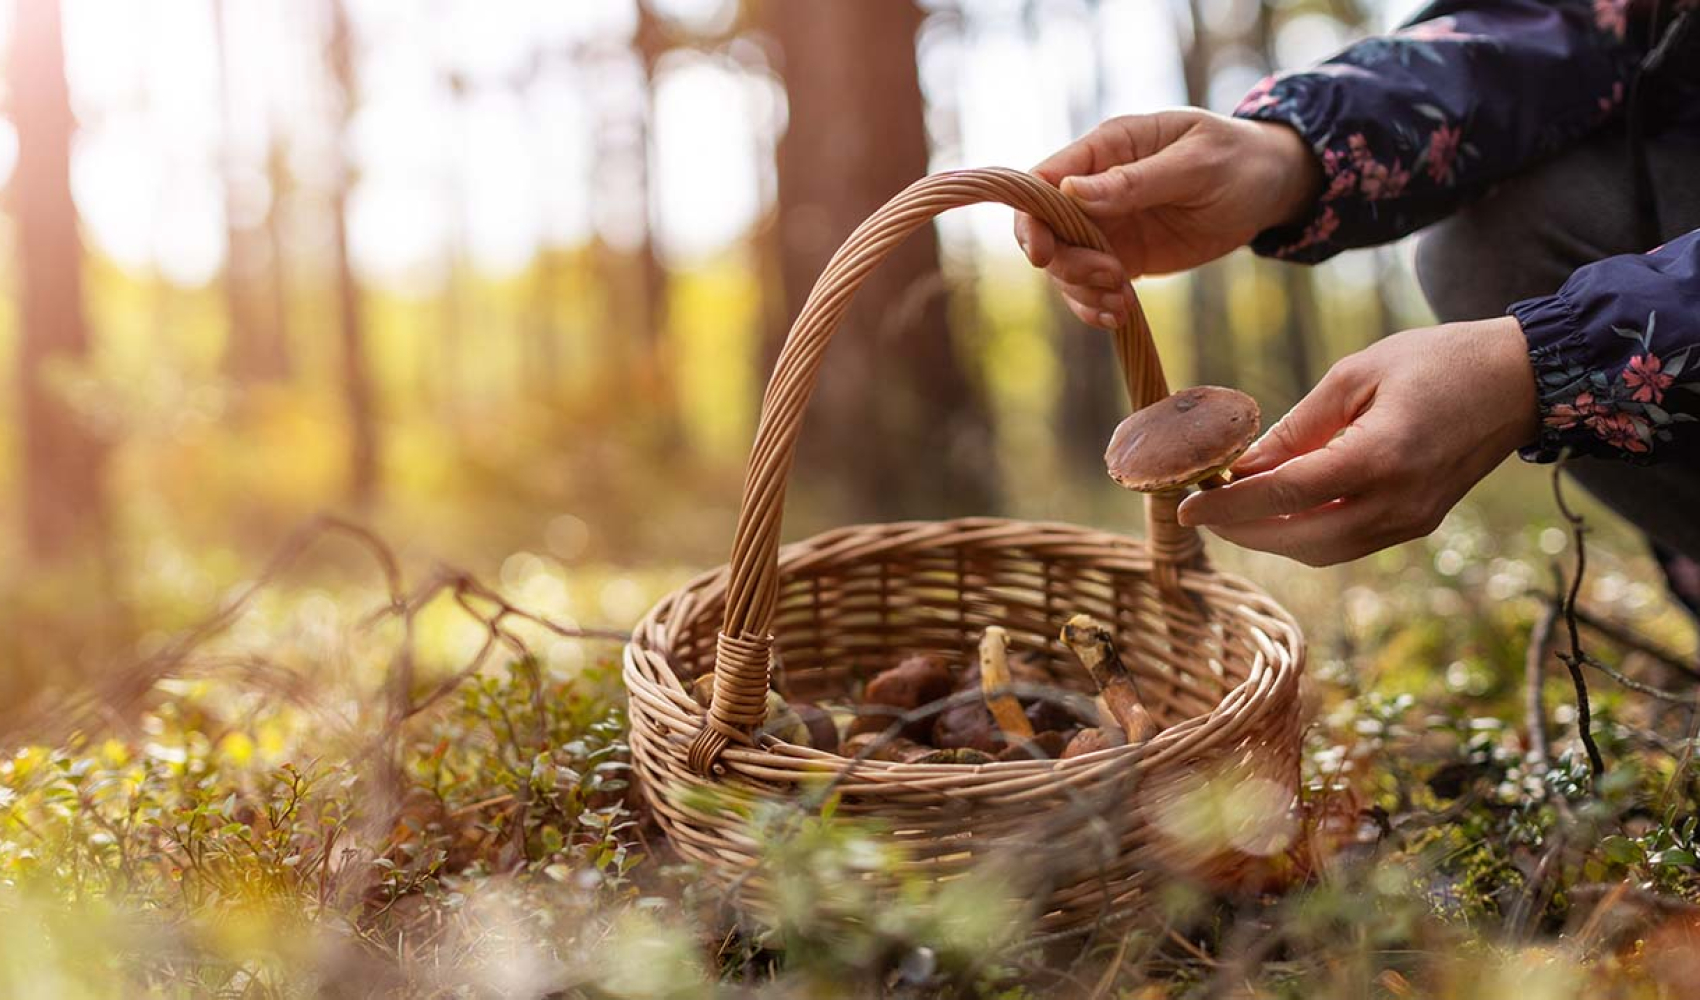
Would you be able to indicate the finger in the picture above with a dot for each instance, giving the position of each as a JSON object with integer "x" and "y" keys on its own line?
{"x": 1310, "y": 480}
{"x": 1089, "y": 268}
{"x": 1087, "y": 154}
{"x": 1035, "y": 238}
{"x": 1336, "y": 533}
{"x": 1118, "y": 140}
{"x": 1118, "y": 301}
{"x": 1340, "y": 398}
{"x": 1091, "y": 314}
{"x": 1164, "y": 179}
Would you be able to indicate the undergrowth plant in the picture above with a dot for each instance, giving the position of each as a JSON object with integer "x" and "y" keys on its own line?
{"x": 420, "y": 827}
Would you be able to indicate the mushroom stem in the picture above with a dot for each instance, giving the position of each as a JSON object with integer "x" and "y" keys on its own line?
{"x": 1091, "y": 641}
{"x": 994, "y": 685}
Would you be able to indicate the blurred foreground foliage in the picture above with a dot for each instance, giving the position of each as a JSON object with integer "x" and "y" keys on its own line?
{"x": 321, "y": 801}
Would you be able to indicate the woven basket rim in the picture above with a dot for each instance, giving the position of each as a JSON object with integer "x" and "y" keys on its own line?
{"x": 708, "y": 588}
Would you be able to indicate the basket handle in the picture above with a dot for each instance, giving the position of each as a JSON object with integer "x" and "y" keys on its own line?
{"x": 742, "y": 649}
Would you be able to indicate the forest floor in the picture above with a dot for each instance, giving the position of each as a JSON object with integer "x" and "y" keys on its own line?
{"x": 421, "y": 789}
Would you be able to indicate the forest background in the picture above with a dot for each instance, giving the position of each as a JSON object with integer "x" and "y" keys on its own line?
{"x": 501, "y": 283}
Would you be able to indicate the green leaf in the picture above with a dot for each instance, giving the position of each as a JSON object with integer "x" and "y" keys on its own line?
{"x": 1674, "y": 856}
{"x": 1622, "y": 850}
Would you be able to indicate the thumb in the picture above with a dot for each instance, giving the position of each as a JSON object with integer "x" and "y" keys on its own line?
{"x": 1325, "y": 411}
{"x": 1128, "y": 187}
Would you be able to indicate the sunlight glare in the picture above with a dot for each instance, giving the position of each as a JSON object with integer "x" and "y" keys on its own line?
{"x": 706, "y": 152}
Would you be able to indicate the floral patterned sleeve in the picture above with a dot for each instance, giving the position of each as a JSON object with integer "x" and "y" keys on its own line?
{"x": 1410, "y": 125}
{"x": 1617, "y": 357}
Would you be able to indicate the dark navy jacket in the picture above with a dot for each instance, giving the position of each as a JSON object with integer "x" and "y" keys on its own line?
{"x": 1411, "y": 125}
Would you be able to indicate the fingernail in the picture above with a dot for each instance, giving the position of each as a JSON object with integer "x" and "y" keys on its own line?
{"x": 1022, "y": 243}
{"x": 1107, "y": 321}
{"x": 1080, "y": 187}
{"x": 1183, "y": 515}
{"x": 1112, "y": 301}
{"x": 1250, "y": 457}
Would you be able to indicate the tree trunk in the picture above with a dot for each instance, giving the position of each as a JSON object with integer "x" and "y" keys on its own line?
{"x": 64, "y": 463}
{"x": 1091, "y": 402}
{"x": 897, "y": 425}
{"x": 282, "y": 184}
{"x": 255, "y": 349}
{"x": 358, "y": 393}
{"x": 651, "y": 368}
{"x": 1211, "y": 332}
{"x": 541, "y": 350}
{"x": 1302, "y": 325}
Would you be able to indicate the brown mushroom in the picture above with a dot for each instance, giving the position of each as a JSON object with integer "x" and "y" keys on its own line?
{"x": 783, "y": 722}
{"x": 875, "y": 746}
{"x": 954, "y": 755}
{"x": 702, "y": 689}
{"x": 823, "y": 729}
{"x": 1092, "y": 642}
{"x": 891, "y": 694}
{"x": 1037, "y": 669}
{"x": 1093, "y": 739}
{"x": 1048, "y": 715}
{"x": 1043, "y": 746}
{"x": 1189, "y": 437}
{"x": 909, "y": 685}
{"x": 967, "y": 727}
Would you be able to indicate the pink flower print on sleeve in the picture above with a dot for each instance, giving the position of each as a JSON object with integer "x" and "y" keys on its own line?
{"x": 1612, "y": 16}
{"x": 1442, "y": 151}
{"x": 1644, "y": 374}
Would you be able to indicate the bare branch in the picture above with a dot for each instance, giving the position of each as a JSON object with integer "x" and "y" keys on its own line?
{"x": 1534, "y": 712}
{"x": 1574, "y": 659}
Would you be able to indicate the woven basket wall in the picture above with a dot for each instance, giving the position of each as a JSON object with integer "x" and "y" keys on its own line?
{"x": 1210, "y": 798}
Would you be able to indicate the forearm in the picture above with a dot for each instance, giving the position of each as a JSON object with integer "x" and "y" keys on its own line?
{"x": 1408, "y": 126}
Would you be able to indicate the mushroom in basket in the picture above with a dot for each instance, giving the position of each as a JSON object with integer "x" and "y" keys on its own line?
{"x": 1092, "y": 642}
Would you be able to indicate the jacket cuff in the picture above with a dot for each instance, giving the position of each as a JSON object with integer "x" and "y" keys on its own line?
{"x": 1555, "y": 348}
{"x": 1289, "y": 100}
{"x": 1596, "y": 397}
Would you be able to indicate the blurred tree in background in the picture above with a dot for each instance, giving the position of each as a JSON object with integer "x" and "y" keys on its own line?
{"x": 476, "y": 270}
{"x": 254, "y": 282}
{"x": 898, "y": 421}
{"x": 363, "y": 455}
{"x": 63, "y": 466}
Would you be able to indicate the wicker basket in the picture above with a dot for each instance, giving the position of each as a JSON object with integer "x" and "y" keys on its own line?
{"x": 1218, "y": 660}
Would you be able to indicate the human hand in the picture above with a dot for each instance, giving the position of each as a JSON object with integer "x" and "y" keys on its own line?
{"x": 1382, "y": 448}
{"x": 1170, "y": 190}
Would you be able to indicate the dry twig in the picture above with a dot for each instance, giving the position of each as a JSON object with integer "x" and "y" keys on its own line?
{"x": 1574, "y": 659}
{"x": 1540, "y": 647}
{"x": 1625, "y": 892}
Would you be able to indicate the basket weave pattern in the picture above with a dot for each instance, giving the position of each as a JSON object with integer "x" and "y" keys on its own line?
{"x": 1218, "y": 661}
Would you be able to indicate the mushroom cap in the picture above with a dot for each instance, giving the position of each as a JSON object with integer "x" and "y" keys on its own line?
{"x": 1182, "y": 439}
